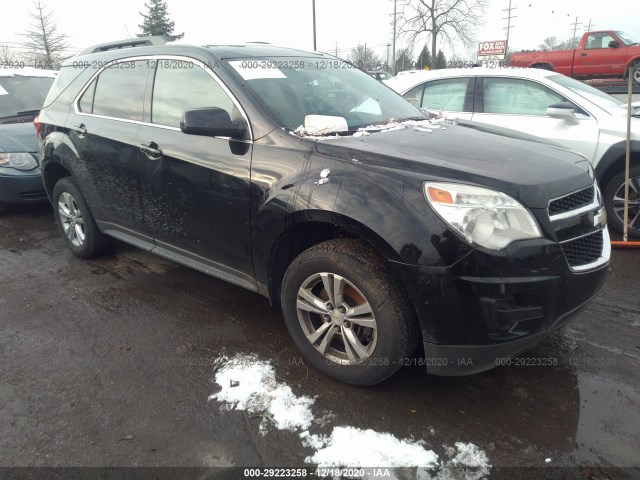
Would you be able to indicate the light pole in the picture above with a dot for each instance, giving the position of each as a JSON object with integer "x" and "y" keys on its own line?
{"x": 393, "y": 53}
{"x": 313, "y": 6}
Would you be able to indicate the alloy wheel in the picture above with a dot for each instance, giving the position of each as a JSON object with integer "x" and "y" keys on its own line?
{"x": 336, "y": 318}
{"x": 634, "y": 203}
{"x": 71, "y": 219}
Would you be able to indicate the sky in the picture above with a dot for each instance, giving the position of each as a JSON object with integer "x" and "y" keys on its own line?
{"x": 340, "y": 24}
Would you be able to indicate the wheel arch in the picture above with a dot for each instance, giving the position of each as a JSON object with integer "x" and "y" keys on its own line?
{"x": 613, "y": 161}
{"x": 309, "y": 228}
{"x": 51, "y": 174}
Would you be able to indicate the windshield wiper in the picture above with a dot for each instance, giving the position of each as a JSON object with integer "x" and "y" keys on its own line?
{"x": 28, "y": 112}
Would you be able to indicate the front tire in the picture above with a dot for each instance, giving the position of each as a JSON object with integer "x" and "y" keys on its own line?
{"x": 636, "y": 73}
{"x": 614, "y": 202}
{"x": 76, "y": 223}
{"x": 347, "y": 313}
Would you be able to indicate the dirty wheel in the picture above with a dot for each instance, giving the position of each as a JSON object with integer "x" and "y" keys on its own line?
{"x": 614, "y": 202}
{"x": 347, "y": 313}
{"x": 636, "y": 73}
{"x": 75, "y": 222}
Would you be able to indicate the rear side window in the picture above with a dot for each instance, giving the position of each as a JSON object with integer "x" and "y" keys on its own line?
{"x": 66, "y": 75}
{"x": 119, "y": 91}
{"x": 446, "y": 95}
{"x": 184, "y": 87}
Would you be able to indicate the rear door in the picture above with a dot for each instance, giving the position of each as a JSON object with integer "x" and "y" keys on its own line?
{"x": 196, "y": 189}
{"x": 451, "y": 96}
{"x": 103, "y": 128}
{"x": 521, "y": 104}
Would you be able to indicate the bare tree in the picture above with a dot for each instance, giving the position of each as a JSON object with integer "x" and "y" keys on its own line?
{"x": 364, "y": 58}
{"x": 46, "y": 44}
{"x": 550, "y": 43}
{"x": 8, "y": 57}
{"x": 451, "y": 20}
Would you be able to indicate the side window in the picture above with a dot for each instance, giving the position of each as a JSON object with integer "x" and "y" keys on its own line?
{"x": 86, "y": 101}
{"x": 184, "y": 86}
{"x": 598, "y": 40}
{"x": 447, "y": 95}
{"x": 517, "y": 97}
{"x": 415, "y": 95}
{"x": 120, "y": 91}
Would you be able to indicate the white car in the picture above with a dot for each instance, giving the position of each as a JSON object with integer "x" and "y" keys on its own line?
{"x": 545, "y": 104}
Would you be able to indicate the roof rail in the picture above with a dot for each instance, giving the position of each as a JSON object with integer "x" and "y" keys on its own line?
{"x": 127, "y": 43}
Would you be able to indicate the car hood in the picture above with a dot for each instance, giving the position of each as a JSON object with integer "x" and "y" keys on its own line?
{"x": 18, "y": 137}
{"x": 530, "y": 171}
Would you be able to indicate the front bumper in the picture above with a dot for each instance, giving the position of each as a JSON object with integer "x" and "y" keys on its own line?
{"x": 17, "y": 186}
{"x": 490, "y": 307}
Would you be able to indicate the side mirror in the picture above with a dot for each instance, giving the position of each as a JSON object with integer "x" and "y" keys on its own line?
{"x": 614, "y": 44}
{"x": 563, "y": 111}
{"x": 211, "y": 122}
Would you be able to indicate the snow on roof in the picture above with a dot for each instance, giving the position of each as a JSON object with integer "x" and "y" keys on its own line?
{"x": 27, "y": 72}
{"x": 405, "y": 81}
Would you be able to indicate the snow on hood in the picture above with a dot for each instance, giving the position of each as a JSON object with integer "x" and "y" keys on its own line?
{"x": 435, "y": 122}
{"x": 250, "y": 384}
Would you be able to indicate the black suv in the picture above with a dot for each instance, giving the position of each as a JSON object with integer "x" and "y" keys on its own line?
{"x": 300, "y": 177}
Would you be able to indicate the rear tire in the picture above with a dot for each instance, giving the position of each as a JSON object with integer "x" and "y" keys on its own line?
{"x": 614, "y": 202}
{"x": 347, "y": 313}
{"x": 76, "y": 223}
{"x": 4, "y": 208}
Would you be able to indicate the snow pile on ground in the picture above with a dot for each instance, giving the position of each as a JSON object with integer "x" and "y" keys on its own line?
{"x": 250, "y": 384}
{"x": 355, "y": 448}
{"x": 468, "y": 462}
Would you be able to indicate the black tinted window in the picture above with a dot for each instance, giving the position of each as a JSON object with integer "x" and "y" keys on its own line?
{"x": 120, "y": 91}
{"x": 181, "y": 86}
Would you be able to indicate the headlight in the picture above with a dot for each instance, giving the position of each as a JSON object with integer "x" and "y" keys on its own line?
{"x": 20, "y": 161}
{"x": 486, "y": 217}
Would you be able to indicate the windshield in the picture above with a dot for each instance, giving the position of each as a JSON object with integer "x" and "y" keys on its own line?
{"x": 601, "y": 99}
{"x": 22, "y": 94}
{"x": 292, "y": 88}
{"x": 626, "y": 39}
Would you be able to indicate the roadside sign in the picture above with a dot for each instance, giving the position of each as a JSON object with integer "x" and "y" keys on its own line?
{"x": 492, "y": 50}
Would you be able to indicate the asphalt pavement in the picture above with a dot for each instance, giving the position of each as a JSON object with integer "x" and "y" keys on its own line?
{"x": 110, "y": 362}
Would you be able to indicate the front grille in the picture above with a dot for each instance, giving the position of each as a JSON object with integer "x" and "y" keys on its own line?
{"x": 572, "y": 202}
{"x": 584, "y": 250}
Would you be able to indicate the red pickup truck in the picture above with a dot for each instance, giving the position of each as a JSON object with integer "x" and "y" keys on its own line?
{"x": 601, "y": 54}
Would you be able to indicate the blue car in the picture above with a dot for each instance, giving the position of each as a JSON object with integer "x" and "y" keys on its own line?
{"x": 22, "y": 94}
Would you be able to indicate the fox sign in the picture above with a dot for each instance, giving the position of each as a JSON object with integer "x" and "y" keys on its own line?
{"x": 494, "y": 49}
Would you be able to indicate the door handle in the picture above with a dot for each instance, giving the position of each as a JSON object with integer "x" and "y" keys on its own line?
{"x": 583, "y": 54}
{"x": 151, "y": 150}
{"x": 81, "y": 130}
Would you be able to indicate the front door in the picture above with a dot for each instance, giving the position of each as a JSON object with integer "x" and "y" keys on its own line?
{"x": 196, "y": 189}
{"x": 521, "y": 105}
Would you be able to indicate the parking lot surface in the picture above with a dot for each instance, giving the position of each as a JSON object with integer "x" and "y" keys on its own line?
{"x": 111, "y": 362}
